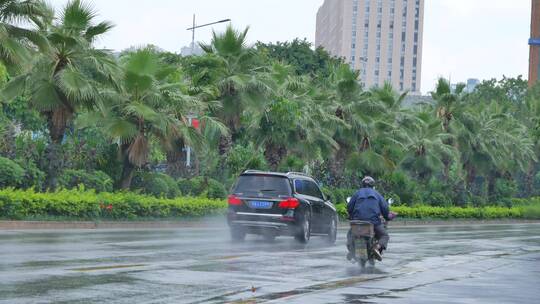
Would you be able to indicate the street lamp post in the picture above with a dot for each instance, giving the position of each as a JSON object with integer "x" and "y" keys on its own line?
{"x": 192, "y": 29}
{"x": 192, "y": 116}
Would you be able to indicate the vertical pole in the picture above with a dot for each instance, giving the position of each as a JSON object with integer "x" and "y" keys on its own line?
{"x": 188, "y": 148}
{"x": 193, "y": 37}
{"x": 534, "y": 43}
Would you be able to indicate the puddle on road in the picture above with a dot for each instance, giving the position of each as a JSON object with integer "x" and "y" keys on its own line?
{"x": 106, "y": 267}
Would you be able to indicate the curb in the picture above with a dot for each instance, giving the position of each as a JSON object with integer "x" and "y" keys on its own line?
{"x": 218, "y": 223}
{"x": 59, "y": 225}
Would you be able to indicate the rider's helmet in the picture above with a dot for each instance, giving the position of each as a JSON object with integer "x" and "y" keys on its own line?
{"x": 368, "y": 181}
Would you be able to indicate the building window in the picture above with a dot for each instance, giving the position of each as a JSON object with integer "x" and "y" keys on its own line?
{"x": 376, "y": 72}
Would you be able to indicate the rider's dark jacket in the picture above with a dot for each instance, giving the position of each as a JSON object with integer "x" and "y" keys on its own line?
{"x": 368, "y": 205}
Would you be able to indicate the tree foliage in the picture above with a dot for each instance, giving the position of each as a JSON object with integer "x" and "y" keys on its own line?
{"x": 77, "y": 109}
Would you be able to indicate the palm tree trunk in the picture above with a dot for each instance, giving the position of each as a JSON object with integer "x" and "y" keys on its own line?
{"x": 127, "y": 169}
{"x": 176, "y": 160}
{"x": 336, "y": 167}
{"x": 471, "y": 175}
{"x": 225, "y": 144}
{"x": 529, "y": 179}
{"x": 274, "y": 154}
{"x": 53, "y": 164}
{"x": 127, "y": 174}
{"x": 54, "y": 160}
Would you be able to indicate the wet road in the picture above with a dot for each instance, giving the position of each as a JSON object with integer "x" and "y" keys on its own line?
{"x": 481, "y": 264}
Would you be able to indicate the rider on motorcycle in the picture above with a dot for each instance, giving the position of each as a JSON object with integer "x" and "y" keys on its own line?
{"x": 369, "y": 205}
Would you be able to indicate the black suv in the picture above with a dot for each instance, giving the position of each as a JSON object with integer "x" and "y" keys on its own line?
{"x": 273, "y": 204}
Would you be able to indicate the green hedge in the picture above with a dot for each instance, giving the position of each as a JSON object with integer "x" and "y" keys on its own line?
{"x": 96, "y": 180}
{"x": 531, "y": 211}
{"x": 19, "y": 204}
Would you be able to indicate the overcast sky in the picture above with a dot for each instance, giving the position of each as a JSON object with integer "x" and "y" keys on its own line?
{"x": 462, "y": 38}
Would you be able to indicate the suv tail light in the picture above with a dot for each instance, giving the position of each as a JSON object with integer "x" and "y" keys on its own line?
{"x": 233, "y": 200}
{"x": 290, "y": 203}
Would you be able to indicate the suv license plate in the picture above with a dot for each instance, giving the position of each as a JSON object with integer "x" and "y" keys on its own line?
{"x": 260, "y": 204}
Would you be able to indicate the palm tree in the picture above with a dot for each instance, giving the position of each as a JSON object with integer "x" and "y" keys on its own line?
{"x": 448, "y": 106}
{"x": 378, "y": 122}
{"x": 66, "y": 78}
{"x": 425, "y": 146}
{"x": 290, "y": 121}
{"x": 16, "y": 42}
{"x": 530, "y": 116}
{"x": 147, "y": 106}
{"x": 492, "y": 143}
{"x": 237, "y": 80}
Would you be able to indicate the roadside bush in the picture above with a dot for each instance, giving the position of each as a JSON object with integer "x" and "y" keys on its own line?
{"x": 19, "y": 204}
{"x": 241, "y": 158}
{"x": 202, "y": 186}
{"x": 504, "y": 189}
{"x": 96, "y": 180}
{"x": 11, "y": 174}
{"x": 157, "y": 184}
{"x": 216, "y": 190}
{"x": 536, "y": 184}
{"x": 33, "y": 177}
{"x": 401, "y": 185}
{"x": 431, "y": 212}
{"x": 438, "y": 199}
{"x": 292, "y": 163}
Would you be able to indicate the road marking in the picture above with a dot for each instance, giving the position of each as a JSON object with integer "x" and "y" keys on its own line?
{"x": 106, "y": 267}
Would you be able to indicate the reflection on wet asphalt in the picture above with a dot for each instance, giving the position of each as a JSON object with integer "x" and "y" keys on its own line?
{"x": 463, "y": 264}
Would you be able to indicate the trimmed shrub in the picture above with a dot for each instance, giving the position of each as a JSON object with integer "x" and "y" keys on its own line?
{"x": 216, "y": 190}
{"x": 400, "y": 185}
{"x": 431, "y": 212}
{"x": 242, "y": 157}
{"x": 96, "y": 180}
{"x": 33, "y": 177}
{"x": 504, "y": 188}
{"x": 18, "y": 204}
{"x": 157, "y": 184}
{"x": 11, "y": 174}
{"x": 202, "y": 186}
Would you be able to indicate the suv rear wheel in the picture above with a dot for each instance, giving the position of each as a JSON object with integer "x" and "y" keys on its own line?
{"x": 238, "y": 234}
{"x": 304, "y": 228}
{"x": 332, "y": 231}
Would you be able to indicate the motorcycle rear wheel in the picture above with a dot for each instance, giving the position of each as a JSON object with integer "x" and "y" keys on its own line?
{"x": 362, "y": 263}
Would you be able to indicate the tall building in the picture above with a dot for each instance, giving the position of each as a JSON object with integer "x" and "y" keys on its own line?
{"x": 534, "y": 42}
{"x": 471, "y": 84}
{"x": 381, "y": 38}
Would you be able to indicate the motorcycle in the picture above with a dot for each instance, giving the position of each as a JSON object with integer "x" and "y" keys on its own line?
{"x": 364, "y": 241}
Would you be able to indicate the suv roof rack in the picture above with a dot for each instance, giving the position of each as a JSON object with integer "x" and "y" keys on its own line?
{"x": 253, "y": 171}
{"x": 298, "y": 173}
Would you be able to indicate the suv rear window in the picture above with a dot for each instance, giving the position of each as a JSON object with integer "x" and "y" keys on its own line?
{"x": 266, "y": 184}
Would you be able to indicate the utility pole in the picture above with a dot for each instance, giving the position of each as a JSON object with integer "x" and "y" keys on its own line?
{"x": 195, "y": 26}
{"x": 193, "y": 116}
{"x": 534, "y": 43}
